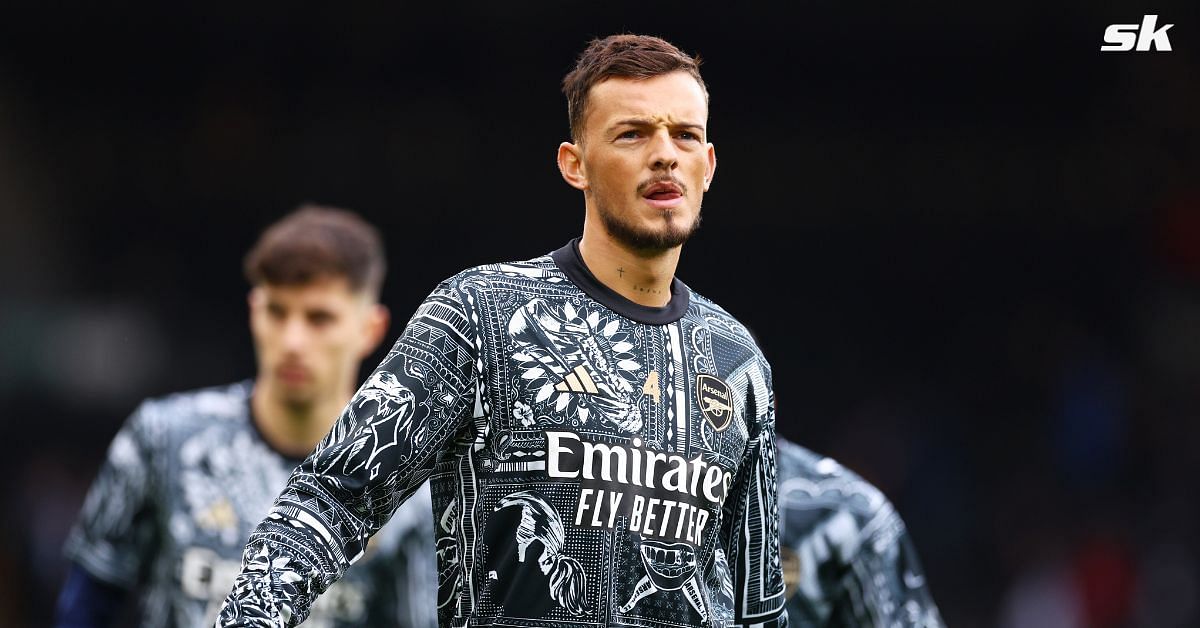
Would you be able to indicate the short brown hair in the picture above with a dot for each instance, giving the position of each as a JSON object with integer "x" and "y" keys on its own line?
{"x": 628, "y": 56}
{"x": 315, "y": 241}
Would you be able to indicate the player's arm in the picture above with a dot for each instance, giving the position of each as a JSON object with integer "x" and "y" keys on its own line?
{"x": 115, "y": 533}
{"x": 378, "y": 453}
{"x": 750, "y": 527}
{"x": 884, "y": 584}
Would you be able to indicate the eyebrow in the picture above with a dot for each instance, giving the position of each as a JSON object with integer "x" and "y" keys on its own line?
{"x": 645, "y": 122}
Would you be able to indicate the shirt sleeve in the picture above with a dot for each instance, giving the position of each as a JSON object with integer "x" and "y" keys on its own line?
{"x": 378, "y": 453}
{"x": 115, "y": 532}
{"x": 751, "y": 528}
{"x": 885, "y": 585}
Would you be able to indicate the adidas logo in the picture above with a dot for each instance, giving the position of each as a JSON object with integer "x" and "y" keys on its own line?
{"x": 578, "y": 380}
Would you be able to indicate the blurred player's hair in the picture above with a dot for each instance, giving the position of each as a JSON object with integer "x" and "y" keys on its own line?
{"x": 314, "y": 242}
{"x": 626, "y": 56}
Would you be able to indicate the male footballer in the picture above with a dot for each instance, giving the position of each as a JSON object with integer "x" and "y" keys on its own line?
{"x": 189, "y": 475}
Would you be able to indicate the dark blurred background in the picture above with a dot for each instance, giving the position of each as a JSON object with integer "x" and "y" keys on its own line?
{"x": 968, "y": 240}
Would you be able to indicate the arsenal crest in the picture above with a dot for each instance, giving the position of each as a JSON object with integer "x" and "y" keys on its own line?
{"x": 713, "y": 396}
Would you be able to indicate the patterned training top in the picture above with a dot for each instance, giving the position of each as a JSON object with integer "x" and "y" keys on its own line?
{"x": 593, "y": 462}
{"x": 186, "y": 479}
{"x": 848, "y": 559}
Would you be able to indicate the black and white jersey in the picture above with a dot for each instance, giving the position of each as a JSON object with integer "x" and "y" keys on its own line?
{"x": 593, "y": 462}
{"x": 848, "y": 559}
{"x": 186, "y": 479}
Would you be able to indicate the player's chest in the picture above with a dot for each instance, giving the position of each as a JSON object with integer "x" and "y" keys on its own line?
{"x": 568, "y": 363}
{"x": 219, "y": 485}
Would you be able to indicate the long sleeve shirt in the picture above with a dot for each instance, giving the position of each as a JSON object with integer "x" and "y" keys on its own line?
{"x": 593, "y": 462}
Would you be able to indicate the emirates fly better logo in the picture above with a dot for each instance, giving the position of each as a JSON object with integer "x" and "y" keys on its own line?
{"x": 1126, "y": 37}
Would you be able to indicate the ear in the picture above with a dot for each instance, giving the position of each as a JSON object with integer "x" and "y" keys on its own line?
{"x": 712, "y": 166}
{"x": 570, "y": 165}
{"x": 254, "y": 298}
{"x": 377, "y": 321}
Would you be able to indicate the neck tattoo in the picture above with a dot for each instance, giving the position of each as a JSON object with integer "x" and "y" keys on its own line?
{"x": 647, "y": 289}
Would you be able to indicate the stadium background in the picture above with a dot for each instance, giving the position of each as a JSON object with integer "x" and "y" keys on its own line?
{"x": 968, "y": 241}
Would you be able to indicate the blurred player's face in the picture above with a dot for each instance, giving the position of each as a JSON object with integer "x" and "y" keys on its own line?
{"x": 311, "y": 338}
{"x": 644, "y": 161}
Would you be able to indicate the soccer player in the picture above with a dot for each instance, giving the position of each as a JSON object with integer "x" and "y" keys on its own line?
{"x": 599, "y": 438}
{"x": 189, "y": 475}
{"x": 848, "y": 559}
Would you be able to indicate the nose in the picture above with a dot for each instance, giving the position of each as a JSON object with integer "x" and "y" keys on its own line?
{"x": 295, "y": 334}
{"x": 663, "y": 153}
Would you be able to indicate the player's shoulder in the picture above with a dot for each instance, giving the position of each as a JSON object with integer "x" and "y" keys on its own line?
{"x": 717, "y": 317}
{"x": 806, "y": 477}
{"x": 184, "y": 410}
{"x": 711, "y": 311}
{"x": 483, "y": 276}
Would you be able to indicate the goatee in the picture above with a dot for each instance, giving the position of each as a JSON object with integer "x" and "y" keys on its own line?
{"x": 647, "y": 240}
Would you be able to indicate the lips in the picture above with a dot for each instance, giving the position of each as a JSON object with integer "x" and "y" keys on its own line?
{"x": 664, "y": 195}
{"x": 663, "y": 191}
{"x": 293, "y": 373}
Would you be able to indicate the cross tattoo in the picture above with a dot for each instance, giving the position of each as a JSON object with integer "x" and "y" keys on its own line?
{"x": 620, "y": 272}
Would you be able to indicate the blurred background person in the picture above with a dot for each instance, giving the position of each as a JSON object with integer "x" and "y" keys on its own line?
{"x": 188, "y": 475}
{"x": 848, "y": 560}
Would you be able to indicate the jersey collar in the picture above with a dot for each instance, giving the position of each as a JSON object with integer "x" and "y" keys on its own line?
{"x": 570, "y": 262}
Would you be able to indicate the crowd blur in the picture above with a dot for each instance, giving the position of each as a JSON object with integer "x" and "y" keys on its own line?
{"x": 968, "y": 241}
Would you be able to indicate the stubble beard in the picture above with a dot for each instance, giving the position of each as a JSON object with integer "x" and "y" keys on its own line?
{"x": 641, "y": 239}
{"x": 298, "y": 402}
